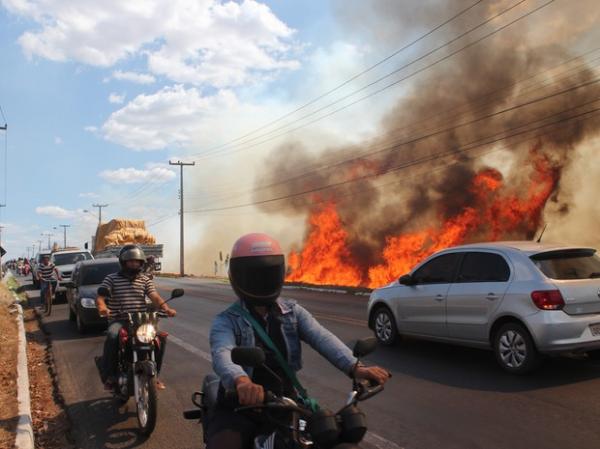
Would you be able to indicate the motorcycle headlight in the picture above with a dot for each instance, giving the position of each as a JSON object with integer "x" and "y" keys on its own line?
{"x": 145, "y": 333}
{"x": 88, "y": 303}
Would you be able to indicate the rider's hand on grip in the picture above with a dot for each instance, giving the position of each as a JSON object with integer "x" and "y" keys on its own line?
{"x": 248, "y": 392}
{"x": 104, "y": 312}
{"x": 372, "y": 373}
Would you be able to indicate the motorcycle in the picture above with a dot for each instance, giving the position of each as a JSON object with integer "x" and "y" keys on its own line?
{"x": 136, "y": 366}
{"x": 301, "y": 427}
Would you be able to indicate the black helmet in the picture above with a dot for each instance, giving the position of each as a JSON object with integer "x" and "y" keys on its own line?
{"x": 257, "y": 269}
{"x": 131, "y": 252}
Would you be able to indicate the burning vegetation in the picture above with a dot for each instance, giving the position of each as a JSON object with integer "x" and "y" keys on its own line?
{"x": 475, "y": 151}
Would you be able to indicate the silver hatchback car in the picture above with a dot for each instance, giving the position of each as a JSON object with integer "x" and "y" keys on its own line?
{"x": 521, "y": 299}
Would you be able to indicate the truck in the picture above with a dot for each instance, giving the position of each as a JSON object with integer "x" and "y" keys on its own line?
{"x": 112, "y": 236}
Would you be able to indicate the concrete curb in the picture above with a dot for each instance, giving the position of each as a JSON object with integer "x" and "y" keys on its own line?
{"x": 24, "y": 438}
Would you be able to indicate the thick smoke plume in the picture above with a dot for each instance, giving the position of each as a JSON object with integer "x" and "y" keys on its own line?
{"x": 509, "y": 112}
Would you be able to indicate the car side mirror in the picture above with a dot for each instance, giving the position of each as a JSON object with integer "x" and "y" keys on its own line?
{"x": 176, "y": 293}
{"x": 364, "y": 347}
{"x": 407, "y": 279}
{"x": 246, "y": 356}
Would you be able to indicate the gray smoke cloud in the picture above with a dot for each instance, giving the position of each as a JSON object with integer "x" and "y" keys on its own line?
{"x": 504, "y": 71}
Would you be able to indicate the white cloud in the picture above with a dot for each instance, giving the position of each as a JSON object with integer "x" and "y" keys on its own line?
{"x": 200, "y": 42}
{"x": 91, "y": 129}
{"x": 55, "y": 211}
{"x": 116, "y": 98}
{"x": 132, "y": 175}
{"x": 58, "y": 140}
{"x": 171, "y": 116}
{"x": 88, "y": 195}
{"x": 134, "y": 77}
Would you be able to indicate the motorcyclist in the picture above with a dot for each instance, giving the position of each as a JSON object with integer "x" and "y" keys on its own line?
{"x": 256, "y": 273}
{"x": 126, "y": 291}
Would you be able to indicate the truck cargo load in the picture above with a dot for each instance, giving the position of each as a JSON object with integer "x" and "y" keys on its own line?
{"x": 118, "y": 232}
{"x": 112, "y": 236}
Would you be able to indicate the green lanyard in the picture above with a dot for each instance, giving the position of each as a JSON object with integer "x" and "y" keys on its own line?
{"x": 308, "y": 401}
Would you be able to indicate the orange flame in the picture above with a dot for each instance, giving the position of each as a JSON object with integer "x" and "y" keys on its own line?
{"x": 325, "y": 259}
{"x": 498, "y": 211}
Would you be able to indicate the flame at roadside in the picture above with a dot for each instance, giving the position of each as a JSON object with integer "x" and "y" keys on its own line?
{"x": 498, "y": 210}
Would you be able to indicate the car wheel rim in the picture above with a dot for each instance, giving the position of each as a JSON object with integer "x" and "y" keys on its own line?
{"x": 513, "y": 349}
{"x": 383, "y": 326}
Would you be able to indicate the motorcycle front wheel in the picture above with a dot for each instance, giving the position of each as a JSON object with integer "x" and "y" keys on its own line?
{"x": 146, "y": 405}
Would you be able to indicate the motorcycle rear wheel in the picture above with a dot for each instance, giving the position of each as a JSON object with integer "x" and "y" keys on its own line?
{"x": 146, "y": 405}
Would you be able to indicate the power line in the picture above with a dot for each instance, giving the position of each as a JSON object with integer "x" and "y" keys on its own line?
{"x": 470, "y": 44}
{"x": 429, "y": 119}
{"x": 389, "y": 170}
{"x": 354, "y": 77}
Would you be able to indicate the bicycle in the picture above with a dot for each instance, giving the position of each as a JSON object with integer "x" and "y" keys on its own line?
{"x": 49, "y": 294}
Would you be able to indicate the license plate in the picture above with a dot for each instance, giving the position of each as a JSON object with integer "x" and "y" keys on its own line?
{"x": 595, "y": 329}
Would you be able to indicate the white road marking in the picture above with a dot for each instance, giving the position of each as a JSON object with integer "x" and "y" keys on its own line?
{"x": 370, "y": 438}
{"x": 185, "y": 345}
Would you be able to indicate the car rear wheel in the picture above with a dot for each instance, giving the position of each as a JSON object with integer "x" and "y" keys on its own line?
{"x": 515, "y": 350}
{"x": 594, "y": 355}
{"x": 81, "y": 326}
{"x": 384, "y": 326}
{"x": 72, "y": 314}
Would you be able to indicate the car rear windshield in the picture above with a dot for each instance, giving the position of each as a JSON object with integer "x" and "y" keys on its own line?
{"x": 95, "y": 274}
{"x": 569, "y": 264}
{"x": 71, "y": 258}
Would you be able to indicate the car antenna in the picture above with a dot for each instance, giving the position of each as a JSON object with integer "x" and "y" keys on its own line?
{"x": 541, "y": 235}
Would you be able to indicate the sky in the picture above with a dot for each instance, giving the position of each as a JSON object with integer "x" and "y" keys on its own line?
{"x": 99, "y": 96}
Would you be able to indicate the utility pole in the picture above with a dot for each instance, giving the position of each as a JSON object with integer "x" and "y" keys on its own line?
{"x": 99, "y": 206}
{"x": 1, "y": 271}
{"x": 181, "y": 245}
{"x": 40, "y": 246}
{"x": 1, "y": 227}
{"x": 65, "y": 231}
{"x": 49, "y": 234}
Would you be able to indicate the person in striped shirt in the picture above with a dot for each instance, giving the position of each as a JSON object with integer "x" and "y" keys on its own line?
{"x": 46, "y": 276}
{"x": 123, "y": 292}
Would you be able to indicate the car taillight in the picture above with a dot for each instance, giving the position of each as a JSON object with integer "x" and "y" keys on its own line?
{"x": 548, "y": 299}
{"x": 123, "y": 336}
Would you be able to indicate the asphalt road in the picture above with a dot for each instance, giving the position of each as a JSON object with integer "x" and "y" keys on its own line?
{"x": 440, "y": 396}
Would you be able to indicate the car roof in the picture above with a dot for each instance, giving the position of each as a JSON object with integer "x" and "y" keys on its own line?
{"x": 103, "y": 261}
{"x": 70, "y": 251}
{"x": 527, "y": 247}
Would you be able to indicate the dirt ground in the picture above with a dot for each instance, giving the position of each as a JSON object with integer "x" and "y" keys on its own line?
{"x": 50, "y": 422}
{"x": 8, "y": 371}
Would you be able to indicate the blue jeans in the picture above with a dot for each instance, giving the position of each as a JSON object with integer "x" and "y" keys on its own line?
{"x": 45, "y": 286}
{"x": 111, "y": 351}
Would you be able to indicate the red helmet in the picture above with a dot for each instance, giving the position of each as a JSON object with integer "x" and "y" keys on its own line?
{"x": 257, "y": 268}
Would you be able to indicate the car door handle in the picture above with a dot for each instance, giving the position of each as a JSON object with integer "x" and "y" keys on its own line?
{"x": 491, "y": 296}
{"x": 439, "y": 297}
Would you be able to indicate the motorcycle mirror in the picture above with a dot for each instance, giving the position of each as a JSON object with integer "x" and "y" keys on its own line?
{"x": 248, "y": 356}
{"x": 177, "y": 293}
{"x": 364, "y": 347}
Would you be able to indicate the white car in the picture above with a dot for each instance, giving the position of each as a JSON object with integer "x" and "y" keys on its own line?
{"x": 65, "y": 261}
{"x": 521, "y": 299}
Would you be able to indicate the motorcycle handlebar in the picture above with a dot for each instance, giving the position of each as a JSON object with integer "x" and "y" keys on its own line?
{"x": 367, "y": 389}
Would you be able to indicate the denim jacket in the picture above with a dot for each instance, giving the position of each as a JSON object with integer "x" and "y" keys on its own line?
{"x": 229, "y": 329}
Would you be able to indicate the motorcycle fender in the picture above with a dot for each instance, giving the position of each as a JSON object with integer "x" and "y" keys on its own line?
{"x": 147, "y": 367}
